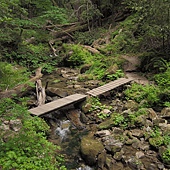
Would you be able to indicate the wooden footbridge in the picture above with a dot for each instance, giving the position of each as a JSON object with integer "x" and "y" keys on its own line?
{"x": 108, "y": 87}
{"x": 60, "y": 103}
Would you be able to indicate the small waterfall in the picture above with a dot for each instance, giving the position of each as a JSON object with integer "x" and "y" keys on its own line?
{"x": 63, "y": 130}
{"x": 85, "y": 168}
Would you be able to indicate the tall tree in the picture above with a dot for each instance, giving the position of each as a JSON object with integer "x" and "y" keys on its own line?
{"x": 153, "y": 18}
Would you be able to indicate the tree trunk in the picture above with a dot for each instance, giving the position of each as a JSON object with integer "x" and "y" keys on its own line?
{"x": 41, "y": 96}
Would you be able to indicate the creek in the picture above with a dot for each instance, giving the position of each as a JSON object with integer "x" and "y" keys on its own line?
{"x": 68, "y": 137}
{"x": 64, "y": 132}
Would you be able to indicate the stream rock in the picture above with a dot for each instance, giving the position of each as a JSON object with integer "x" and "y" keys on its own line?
{"x": 137, "y": 133}
{"x": 106, "y": 124}
{"x": 152, "y": 114}
{"x": 102, "y": 133}
{"x": 90, "y": 149}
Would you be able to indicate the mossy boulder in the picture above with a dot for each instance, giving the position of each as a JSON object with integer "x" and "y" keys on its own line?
{"x": 156, "y": 141}
{"x": 132, "y": 105}
{"x": 106, "y": 124}
{"x": 164, "y": 154}
{"x": 90, "y": 149}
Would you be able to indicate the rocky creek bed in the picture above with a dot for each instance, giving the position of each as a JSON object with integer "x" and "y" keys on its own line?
{"x": 126, "y": 140}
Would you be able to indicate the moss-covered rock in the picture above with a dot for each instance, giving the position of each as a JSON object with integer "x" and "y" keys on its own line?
{"x": 106, "y": 124}
{"x": 90, "y": 149}
{"x": 156, "y": 141}
{"x": 132, "y": 105}
{"x": 164, "y": 153}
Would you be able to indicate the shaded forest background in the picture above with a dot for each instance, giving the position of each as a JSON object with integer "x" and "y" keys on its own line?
{"x": 31, "y": 31}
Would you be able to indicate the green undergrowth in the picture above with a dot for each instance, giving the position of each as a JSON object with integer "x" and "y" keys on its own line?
{"x": 98, "y": 107}
{"x": 152, "y": 95}
{"x": 28, "y": 148}
{"x": 12, "y": 75}
{"x": 122, "y": 39}
{"x": 128, "y": 120}
{"x": 146, "y": 96}
{"x": 100, "y": 64}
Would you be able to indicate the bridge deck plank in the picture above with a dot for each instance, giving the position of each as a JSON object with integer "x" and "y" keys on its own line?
{"x": 57, "y": 104}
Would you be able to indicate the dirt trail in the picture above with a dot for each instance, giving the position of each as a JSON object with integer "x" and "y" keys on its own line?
{"x": 131, "y": 69}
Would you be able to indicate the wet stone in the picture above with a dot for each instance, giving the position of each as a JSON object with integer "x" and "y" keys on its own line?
{"x": 117, "y": 131}
{"x": 113, "y": 146}
{"x": 152, "y": 114}
{"x": 145, "y": 147}
{"x": 136, "y": 143}
{"x": 135, "y": 164}
{"x": 101, "y": 159}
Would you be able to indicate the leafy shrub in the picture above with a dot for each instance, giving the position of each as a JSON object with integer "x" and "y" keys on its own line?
{"x": 163, "y": 79}
{"x": 157, "y": 138}
{"x": 118, "y": 74}
{"x": 132, "y": 118}
{"x": 78, "y": 55}
{"x": 97, "y": 70}
{"x": 28, "y": 148}
{"x": 96, "y": 105}
{"x": 166, "y": 156}
{"x": 166, "y": 139}
{"x": 88, "y": 38}
{"x": 118, "y": 119}
{"x": 36, "y": 55}
{"x": 148, "y": 93}
{"x": 163, "y": 82}
{"x": 55, "y": 14}
{"x": 156, "y": 141}
{"x": 153, "y": 63}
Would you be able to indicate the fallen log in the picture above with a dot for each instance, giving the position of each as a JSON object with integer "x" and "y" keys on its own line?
{"x": 62, "y": 32}
{"x": 20, "y": 90}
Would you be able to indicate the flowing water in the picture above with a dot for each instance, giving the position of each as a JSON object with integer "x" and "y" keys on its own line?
{"x": 64, "y": 132}
{"x": 68, "y": 137}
